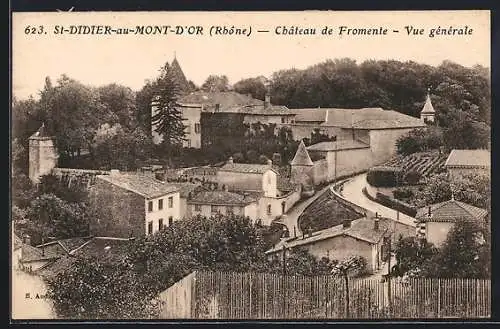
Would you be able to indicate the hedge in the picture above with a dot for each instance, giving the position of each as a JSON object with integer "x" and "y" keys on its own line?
{"x": 395, "y": 204}
{"x": 384, "y": 176}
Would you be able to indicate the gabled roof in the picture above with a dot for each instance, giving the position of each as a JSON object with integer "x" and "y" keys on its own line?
{"x": 338, "y": 145}
{"x": 450, "y": 211}
{"x": 360, "y": 229}
{"x": 104, "y": 248}
{"x": 301, "y": 157}
{"x": 144, "y": 185}
{"x": 361, "y": 118}
{"x": 469, "y": 158}
{"x": 428, "y": 108}
{"x": 248, "y": 168}
{"x": 186, "y": 188}
{"x": 221, "y": 198}
{"x": 68, "y": 245}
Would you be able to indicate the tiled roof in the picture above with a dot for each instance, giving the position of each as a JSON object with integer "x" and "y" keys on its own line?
{"x": 221, "y": 198}
{"x": 363, "y": 118}
{"x": 144, "y": 185}
{"x": 30, "y": 254}
{"x": 52, "y": 269}
{"x": 428, "y": 108}
{"x": 469, "y": 158}
{"x": 104, "y": 248}
{"x": 361, "y": 229}
{"x": 260, "y": 110}
{"x": 248, "y": 168}
{"x": 338, "y": 145}
{"x": 226, "y": 99}
{"x": 67, "y": 245}
{"x": 450, "y": 211}
{"x": 186, "y": 188}
{"x": 301, "y": 157}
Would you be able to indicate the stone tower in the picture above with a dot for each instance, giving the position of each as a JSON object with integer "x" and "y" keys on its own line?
{"x": 302, "y": 166}
{"x": 428, "y": 113}
{"x": 42, "y": 154}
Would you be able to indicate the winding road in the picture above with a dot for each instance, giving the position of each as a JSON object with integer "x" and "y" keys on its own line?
{"x": 353, "y": 191}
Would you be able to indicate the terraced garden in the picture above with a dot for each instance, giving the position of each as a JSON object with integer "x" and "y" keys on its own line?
{"x": 325, "y": 212}
{"x": 425, "y": 163}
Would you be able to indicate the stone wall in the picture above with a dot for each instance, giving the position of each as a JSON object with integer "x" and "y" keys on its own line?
{"x": 119, "y": 213}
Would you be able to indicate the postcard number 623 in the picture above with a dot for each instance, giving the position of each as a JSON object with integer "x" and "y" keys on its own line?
{"x": 34, "y": 30}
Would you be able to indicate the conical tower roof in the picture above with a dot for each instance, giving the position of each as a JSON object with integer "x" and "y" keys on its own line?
{"x": 42, "y": 132}
{"x": 179, "y": 75}
{"x": 428, "y": 108}
{"x": 301, "y": 157}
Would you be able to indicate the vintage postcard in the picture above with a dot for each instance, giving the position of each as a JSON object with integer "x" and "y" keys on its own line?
{"x": 315, "y": 165}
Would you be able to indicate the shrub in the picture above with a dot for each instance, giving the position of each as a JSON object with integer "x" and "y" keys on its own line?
{"x": 396, "y": 204}
{"x": 384, "y": 176}
{"x": 403, "y": 193}
{"x": 412, "y": 177}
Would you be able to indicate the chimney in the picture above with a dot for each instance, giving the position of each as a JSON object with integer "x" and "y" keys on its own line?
{"x": 267, "y": 101}
{"x": 114, "y": 172}
{"x": 230, "y": 160}
{"x": 346, "y": 223}
{"x": 429, "y": 213}
{"x": 376, "y": 223}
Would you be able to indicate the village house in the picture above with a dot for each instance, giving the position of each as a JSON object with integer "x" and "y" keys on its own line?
{"x": 435, "y": 221}
{"x": 466, "y": 162}
{"x": 363, "y": 237}
{"x": 133, "y": 205}
{"x": 224, "y": 202}
{"x": 274, "y": 197}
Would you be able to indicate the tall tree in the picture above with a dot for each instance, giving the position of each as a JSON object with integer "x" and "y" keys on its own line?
{"x": 168, "y": 120}
{"x": 216, "y": 83}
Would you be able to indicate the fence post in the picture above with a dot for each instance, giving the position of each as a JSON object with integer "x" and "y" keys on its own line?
{"x": 439, "y": 299}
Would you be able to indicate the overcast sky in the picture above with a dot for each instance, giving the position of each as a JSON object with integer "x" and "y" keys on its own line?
{"x": 131, "y": 59}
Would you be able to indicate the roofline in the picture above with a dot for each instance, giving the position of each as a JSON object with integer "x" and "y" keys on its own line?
{"x": 39, "y": 259}
{"x": 340, "y": 149}
{"x": 343, "y": 233}
{"x": 146, "y": 196}
{"x": 467, "y": 166}
{"x": 221, "y": 204}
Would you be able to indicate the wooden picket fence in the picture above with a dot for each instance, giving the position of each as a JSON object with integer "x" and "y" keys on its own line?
{"x": 226, "y": 295}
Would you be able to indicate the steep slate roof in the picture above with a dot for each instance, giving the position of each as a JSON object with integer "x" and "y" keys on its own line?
{"x": 361, "y": 229}
{"x": 428, "y": 108}
{"x": 226, "y": 99}
{"x": 248, "y": 168}
{"x": 301, "y": 157}
{"x": 363, "y": 118}
{"x": 144, "y": 185}
{"x": 469, "y": 158}
{"x": 338, "y": 145}
{"x": 221, "y": 198}
{"x": 179, "y": 75}
{"x": 450, "y": 211}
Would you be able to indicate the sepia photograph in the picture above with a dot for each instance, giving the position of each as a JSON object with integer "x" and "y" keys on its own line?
{"x": 291, "y": 166}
